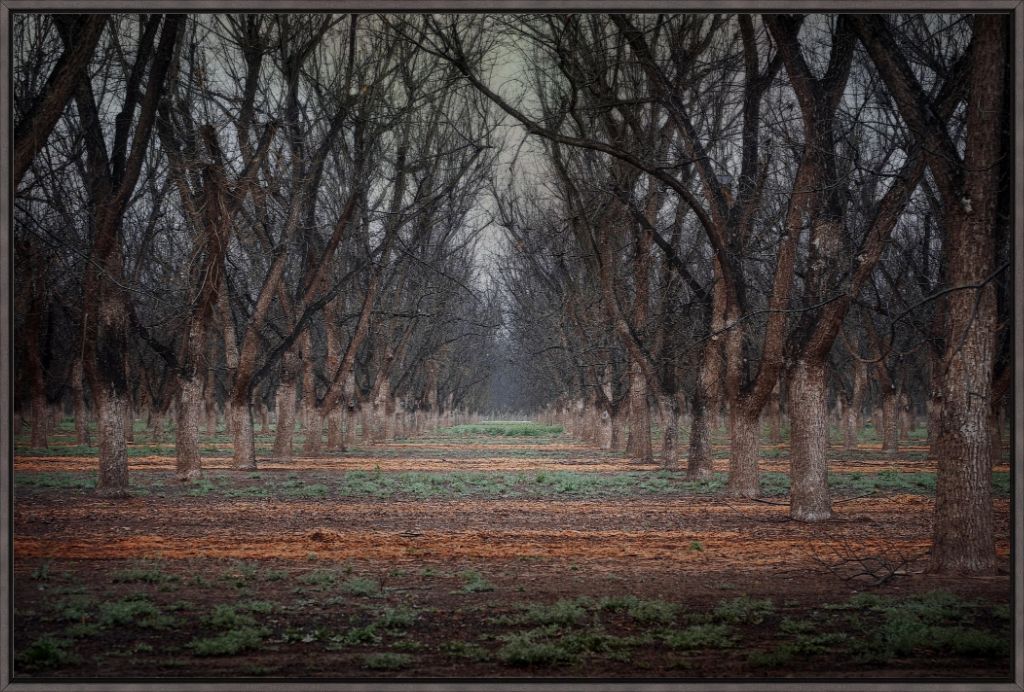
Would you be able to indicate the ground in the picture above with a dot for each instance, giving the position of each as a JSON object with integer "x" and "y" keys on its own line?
{"x": 490, "y": 551}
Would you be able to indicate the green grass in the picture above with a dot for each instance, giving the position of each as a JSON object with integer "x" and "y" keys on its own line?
{"x": 47, "y": 652}
{"x": 504, "y": 429}
{"x": 473, "y": 582}
{"x": 709, "y": 636}
{"x": 743, "y": 609}
{"x": 641, "y": 610}
{"x": 361, "y": 586}
{"x": 387, "y": 661}
{"x": 229, "y": 643}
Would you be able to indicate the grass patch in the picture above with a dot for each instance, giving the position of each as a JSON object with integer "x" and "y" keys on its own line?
{"x": 474, "y": 582}
{"x": 709, "y": 636}
{"x": 229, "y": 643}
{"x": 48, "y": 652}
{"x": 504, "y": 429}
{"x": 641, "y": 610}
{"x": 361, "y": 586}
{"x": 743, "y": 609}
{"x": 387, "y": 661}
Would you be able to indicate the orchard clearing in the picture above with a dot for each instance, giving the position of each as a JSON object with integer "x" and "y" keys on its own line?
{"x": 490, "y": 550}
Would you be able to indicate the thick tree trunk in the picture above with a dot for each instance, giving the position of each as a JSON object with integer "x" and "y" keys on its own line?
{"x": 604, "y": 431}
{"x": 336, "y": 430}
{"x": 111, "y": 410}
{"x": 890, "y": 423}
{"x": 745, "y": 450}
{"x": 286, "y": 409}
{"x": 156, "y": 426}
{"x": 190, "y": 410}
{"x": 638, "y": 444}
{"x": 700, "y": 460}
{"x": 809, "y": 493}
{"x": 244, "y": 454}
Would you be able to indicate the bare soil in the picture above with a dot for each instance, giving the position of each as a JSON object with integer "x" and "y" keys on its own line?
{"x": 343, "y": 585}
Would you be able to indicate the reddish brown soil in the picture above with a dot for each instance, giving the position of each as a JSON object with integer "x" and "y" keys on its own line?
{"x": 694, "y": 551}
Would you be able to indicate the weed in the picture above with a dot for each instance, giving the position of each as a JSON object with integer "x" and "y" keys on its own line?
{"x": 641, "y": 610}
{"x": 387, "y": 661}
{"x": 42, "y": 572}
{"x": 473, "y": 582}
{"x": 224, "y": 616}
{"x": 320, "y": 578}
{"x": 48, "y": 652}
{"x": 396, "y": 618}
{"x": 469, "y": 651}
{"x": 138, "y": 611}
{"x": 563, "y": 612}
{"x": 712, "y": 636}
{"x": 743, "y": 609}
{"x": 229, "y": 643}
{"x": 361, "y": 586}
{"x": 146, "y": 575}
{"x": 262, "y": 607}
{"x": 355, "y": 637}
{"x": 524, "y": 650}
{"x": 75, "y": 608}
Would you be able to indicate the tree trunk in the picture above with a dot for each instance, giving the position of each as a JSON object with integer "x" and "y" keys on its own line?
{"x": 286, "y": 408}
{"x": 336, "y": 430}
{"x": 808, "y": 410}
{"x": 638, "y": 444}
{"x": 244, "y": 454}
{"x": 190, "y": 410}
{"x": 775, "y": 416}
{"x": 745, "y": 450}
{"x": 700, "y": 462}
{"x": 890, "y": 422}
{"x": 852, "y": 420}
{"x": 670, "y": 434}
{"x": 111, "y": 409}
{"x": 604, "y": 431}
{"x": 78, "y": 398}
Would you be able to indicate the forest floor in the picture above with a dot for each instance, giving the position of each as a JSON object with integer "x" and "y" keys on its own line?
{"x": 462, "y": 554}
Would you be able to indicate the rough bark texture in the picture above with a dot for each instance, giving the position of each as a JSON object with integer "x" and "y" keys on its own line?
{"x": 244, "y": 454}
{"x": 700, "y": 460}
{"x": 113, "y": 447}
{"x": 670, "y": 432}
{"x": 890, "y": 423}
{"x": 638, "y": 444}
{"x": 745, "y": 448}
{"x": 286, "y": 408}
{"x": 809, "y": 494}
{"x": 852, "y": 423}
{"x": 190, "y": 409}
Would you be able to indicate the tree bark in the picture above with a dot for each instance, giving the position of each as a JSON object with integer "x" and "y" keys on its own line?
{"x": 638, "y": 444}
{"x": 745, "y": 452}
{"x": 190, "y": 410}
{"x": 286, "y": 408}
{"x": 670, "y": 433}
{"x": 890, "y": 422}
{"x": 809, "y": 493}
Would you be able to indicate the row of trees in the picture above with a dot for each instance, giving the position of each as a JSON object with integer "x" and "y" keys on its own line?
{"x": 708, "y": 214}
{"x": 241, "y": 211}
{"x": 740, "y": 210}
